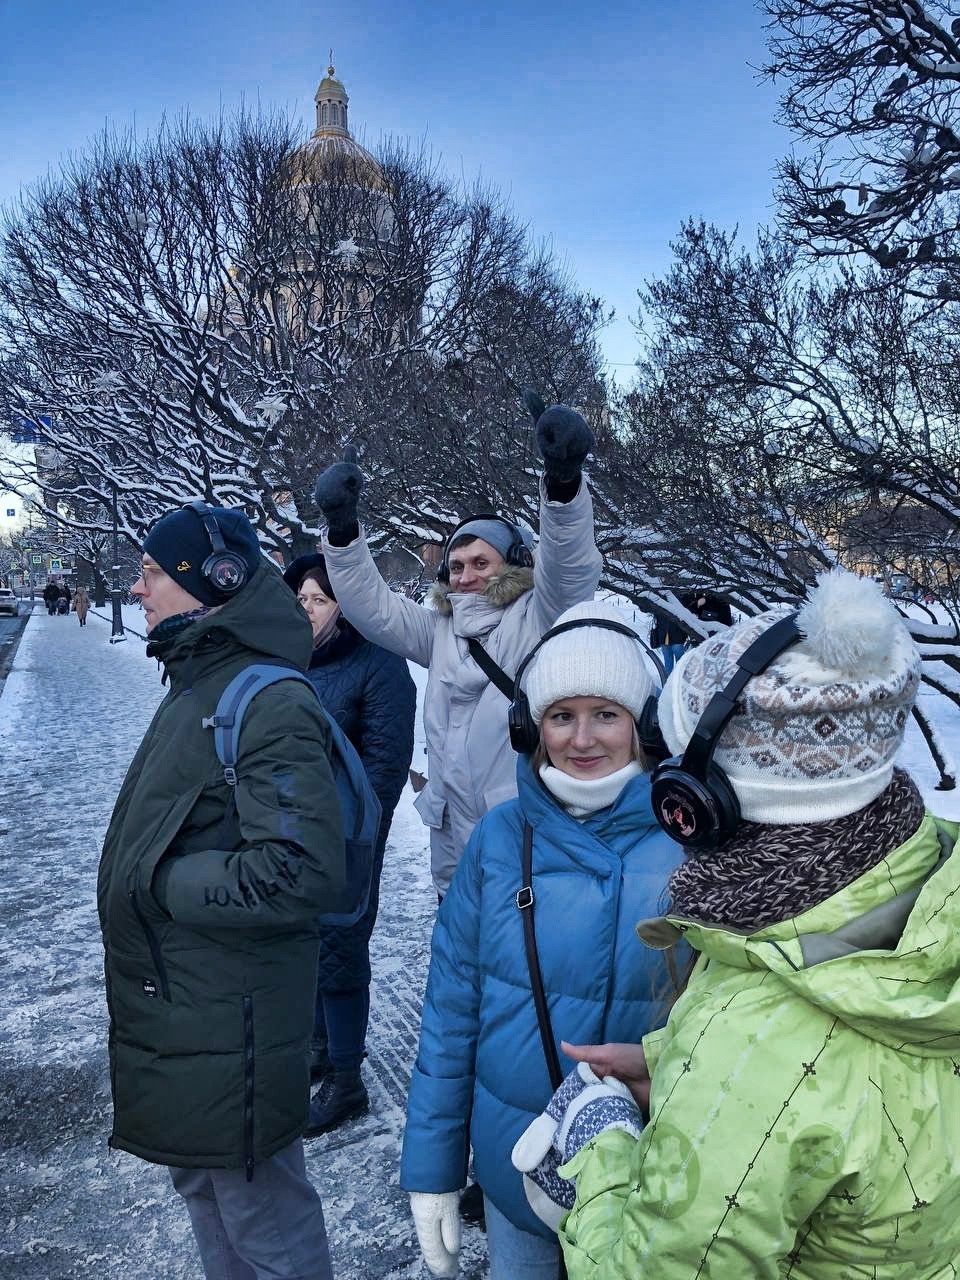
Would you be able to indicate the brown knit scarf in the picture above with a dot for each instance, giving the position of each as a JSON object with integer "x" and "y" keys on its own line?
{"x": 769, "y": 873}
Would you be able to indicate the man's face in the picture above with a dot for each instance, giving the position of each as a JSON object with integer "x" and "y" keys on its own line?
{"x": 160, "y": 596}
{"x": 472, "y": 565}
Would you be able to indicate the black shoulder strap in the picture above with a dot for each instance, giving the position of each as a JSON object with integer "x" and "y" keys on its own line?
{"x": 525, "y": 906}
{"x": 495, "y": 674}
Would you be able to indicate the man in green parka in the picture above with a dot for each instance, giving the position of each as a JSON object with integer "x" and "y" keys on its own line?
{"x": 804, "y": 1096}
{"x": 207, "y": 895}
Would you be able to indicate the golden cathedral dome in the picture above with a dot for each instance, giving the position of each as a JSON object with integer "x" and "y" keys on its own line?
{"x": 331, "y": 147}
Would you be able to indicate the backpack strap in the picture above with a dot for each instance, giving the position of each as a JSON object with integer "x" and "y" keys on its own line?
{"x": 236, "y": 697}
{"x": 494, "y": 673}
{"x": 525, "y": 907}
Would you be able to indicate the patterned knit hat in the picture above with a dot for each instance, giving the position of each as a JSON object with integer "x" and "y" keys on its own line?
{"x": 590, "y": 663}
{"x": 814, "y": 736}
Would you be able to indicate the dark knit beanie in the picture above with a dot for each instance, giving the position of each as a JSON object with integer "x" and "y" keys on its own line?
{"x": 180, "y": 544}
{"x": 313, "y": 566}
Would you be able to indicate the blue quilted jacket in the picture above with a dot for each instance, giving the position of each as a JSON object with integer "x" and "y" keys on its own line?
{"x": 480, "y": 1076}
{"x": 371, "y": 695}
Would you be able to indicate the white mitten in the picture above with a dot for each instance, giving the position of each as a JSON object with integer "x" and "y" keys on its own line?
{"x": 436, "y": 1216}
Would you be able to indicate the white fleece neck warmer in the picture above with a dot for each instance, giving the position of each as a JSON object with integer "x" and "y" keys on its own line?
{"x": 583, "y": 796}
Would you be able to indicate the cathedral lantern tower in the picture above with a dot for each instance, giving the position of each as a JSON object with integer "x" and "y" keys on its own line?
{"x": 331, "y": 99}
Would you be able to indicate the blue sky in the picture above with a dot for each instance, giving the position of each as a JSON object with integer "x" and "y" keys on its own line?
{"x": 606, "y": 124}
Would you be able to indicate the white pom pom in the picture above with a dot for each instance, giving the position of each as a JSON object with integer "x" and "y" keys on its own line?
{"x": 849, "y": 625}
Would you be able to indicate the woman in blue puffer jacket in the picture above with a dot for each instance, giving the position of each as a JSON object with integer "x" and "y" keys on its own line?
{"x": 372, "y": 697}
{"x": 600, "y": 864}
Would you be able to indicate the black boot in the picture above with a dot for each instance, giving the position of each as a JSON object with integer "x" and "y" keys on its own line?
{"x": 337, "y": 1103}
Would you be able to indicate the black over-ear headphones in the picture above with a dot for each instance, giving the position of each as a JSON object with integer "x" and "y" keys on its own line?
{"x": 518, "y": 553}
{"x": 224, "y": 570}
{"x": 524, "y": 734}
{"x": 693, "y": 799}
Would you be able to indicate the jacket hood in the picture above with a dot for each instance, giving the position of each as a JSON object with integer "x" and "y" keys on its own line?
{"x": 263, "y": 618}
{"x": 509, "y": 584}
{"x": 882, "y": 955}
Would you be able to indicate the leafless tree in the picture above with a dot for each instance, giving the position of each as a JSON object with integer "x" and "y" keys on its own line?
{"x": 219, "y": 310}
{"x": 871, "y": 86}
{"x": 784, "y": 422}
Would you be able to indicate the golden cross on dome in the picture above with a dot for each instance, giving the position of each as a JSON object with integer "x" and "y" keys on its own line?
{"x": 331, "y": 70}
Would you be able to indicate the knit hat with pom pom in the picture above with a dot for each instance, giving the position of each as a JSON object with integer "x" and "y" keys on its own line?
{"x": 814, "y": 736}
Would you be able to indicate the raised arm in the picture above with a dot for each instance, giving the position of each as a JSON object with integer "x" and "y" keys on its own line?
{"x": 379, "y": 614}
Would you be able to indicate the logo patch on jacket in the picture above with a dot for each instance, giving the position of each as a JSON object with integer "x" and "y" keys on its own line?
{"x": 150, "y": 988}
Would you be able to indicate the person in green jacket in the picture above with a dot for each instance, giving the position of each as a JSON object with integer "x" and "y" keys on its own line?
{"x": 804, "y": 1096}
{"x": 207, "y": 895}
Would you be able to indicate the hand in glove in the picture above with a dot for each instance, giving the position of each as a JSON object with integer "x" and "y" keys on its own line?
{"x": 436, "y": 1217}
{"x": 564, "y": 440}
{"x": 337, "y": 494}
{"x": 583, "y": 1107}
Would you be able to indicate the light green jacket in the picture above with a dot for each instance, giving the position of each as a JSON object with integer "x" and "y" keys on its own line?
{"x": 805, "y": 1104}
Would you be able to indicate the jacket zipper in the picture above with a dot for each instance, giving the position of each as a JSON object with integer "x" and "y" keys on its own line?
{"x": 154, "y": 946}
{"x": 248, "y": 1086}
{"x": 613, "y": 953}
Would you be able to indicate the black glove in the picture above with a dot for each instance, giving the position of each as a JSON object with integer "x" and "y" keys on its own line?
{"x": 564, "y": 440}
{"x": 337, "y": 494}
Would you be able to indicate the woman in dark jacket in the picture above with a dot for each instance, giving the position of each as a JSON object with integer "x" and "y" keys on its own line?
{"x": 370, "y": 693}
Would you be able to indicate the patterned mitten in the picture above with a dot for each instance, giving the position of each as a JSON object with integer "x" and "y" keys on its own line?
{"x": 583, "y": 1107}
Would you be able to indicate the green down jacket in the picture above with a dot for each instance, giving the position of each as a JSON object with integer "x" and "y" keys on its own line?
{"x": 207, "y": 910}
{"x": 805, "y": 1102}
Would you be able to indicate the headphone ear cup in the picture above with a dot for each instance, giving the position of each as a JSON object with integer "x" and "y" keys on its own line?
{"x": 521, "y": 556}
{"x": 443, "y": 573}
{"x": 225, "y": 571}
{"x": 524, "y": 734}
{"x": 648, "y": 732}
{"x": 690, "y": 811}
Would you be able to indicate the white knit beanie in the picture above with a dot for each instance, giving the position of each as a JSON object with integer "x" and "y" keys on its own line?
{"x": 814, "y": 736}
{"x": 590, "y": 662}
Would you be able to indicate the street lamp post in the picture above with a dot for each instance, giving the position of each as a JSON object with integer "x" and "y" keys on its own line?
{"x": 117, "y": 632}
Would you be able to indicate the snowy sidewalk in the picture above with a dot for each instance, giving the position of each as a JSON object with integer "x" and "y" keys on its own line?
{"x": 71, "y": 715}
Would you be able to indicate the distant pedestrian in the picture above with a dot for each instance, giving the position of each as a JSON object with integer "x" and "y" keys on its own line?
{"x": 81, "y": 604}
{"x": 51, "y": 597}
{"x": 207, "y": 893}
{"x": 371, "y": 695}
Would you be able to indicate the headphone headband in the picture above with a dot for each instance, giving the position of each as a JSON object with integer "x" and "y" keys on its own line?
{"x": 606, "y": 624}
{"x": 698, "y": 755}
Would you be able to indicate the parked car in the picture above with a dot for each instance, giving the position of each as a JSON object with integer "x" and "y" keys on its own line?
{"x": 902, "y": 586}
{"x": 9, "y": 603}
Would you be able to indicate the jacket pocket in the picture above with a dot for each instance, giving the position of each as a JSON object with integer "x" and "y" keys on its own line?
{"x": 431, "y": 806}
{"x": 153, "y": 942}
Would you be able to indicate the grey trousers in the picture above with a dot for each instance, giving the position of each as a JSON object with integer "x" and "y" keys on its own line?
{"x": 269, "y": 1229}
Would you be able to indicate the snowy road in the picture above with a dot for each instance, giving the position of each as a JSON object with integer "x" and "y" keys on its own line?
{"x": 71, "y": 714}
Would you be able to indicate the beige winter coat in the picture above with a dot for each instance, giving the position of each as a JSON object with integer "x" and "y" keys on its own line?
{"x": 470, "y": 764}
{"x": 81, "y": 603}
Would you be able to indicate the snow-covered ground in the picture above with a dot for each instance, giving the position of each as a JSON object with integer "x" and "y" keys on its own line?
{"x": 71, "y": 715}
